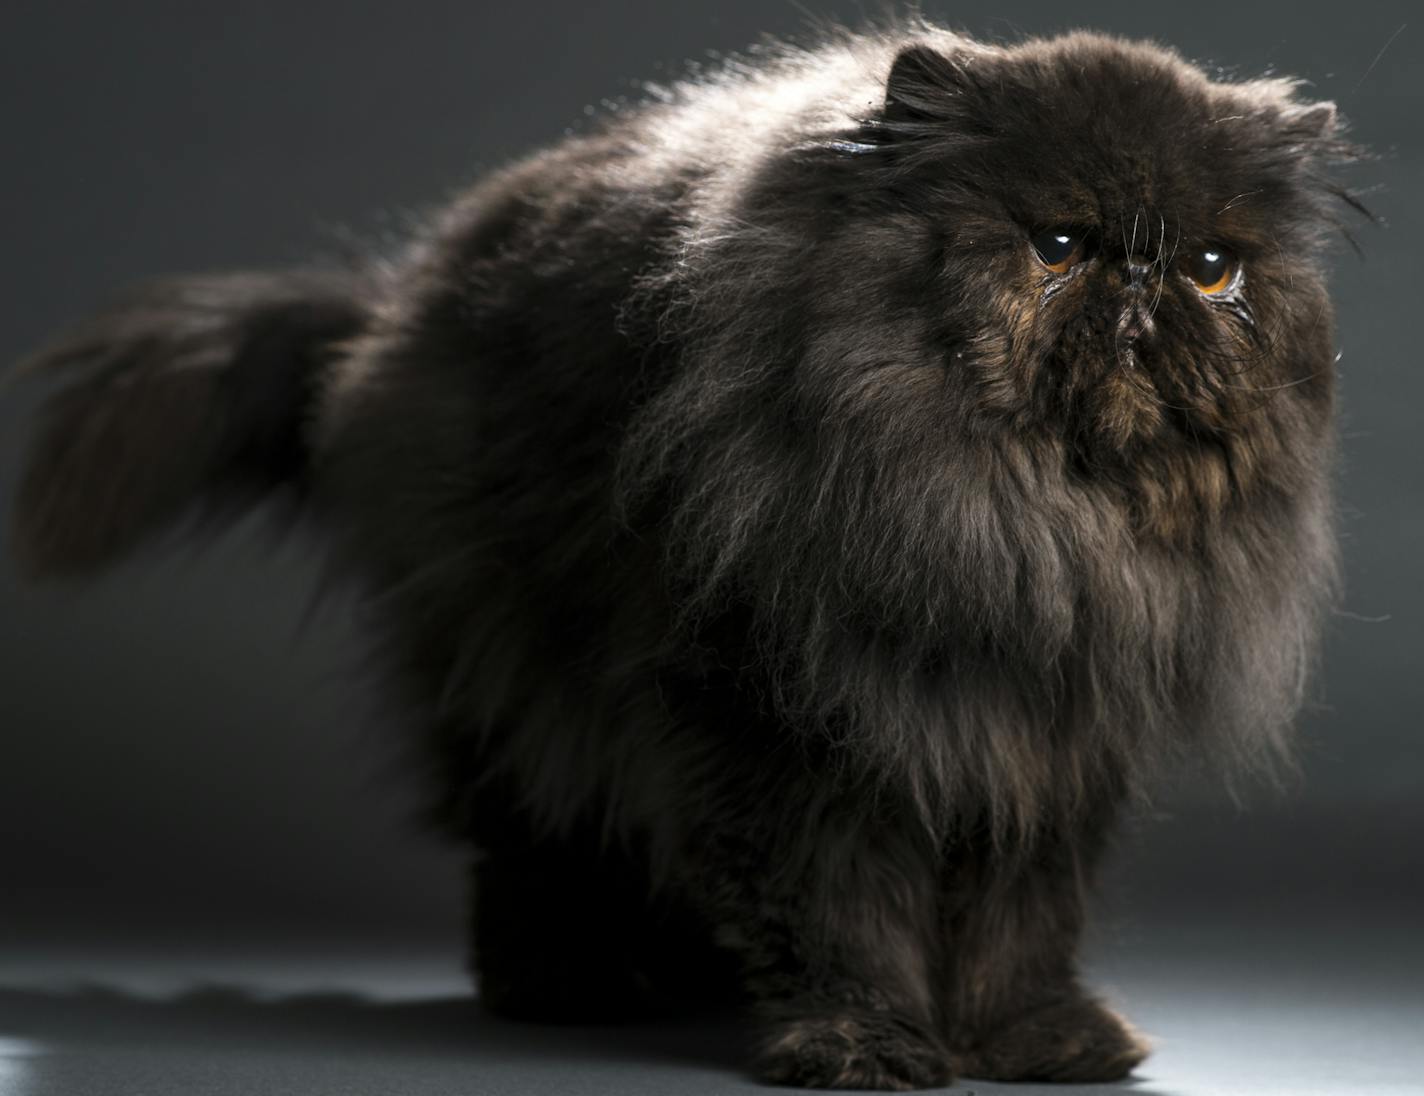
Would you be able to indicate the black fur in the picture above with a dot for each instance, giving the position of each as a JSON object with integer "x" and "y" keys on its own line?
{"x": 191, "y": 389}
{"x": 793, "y": 576}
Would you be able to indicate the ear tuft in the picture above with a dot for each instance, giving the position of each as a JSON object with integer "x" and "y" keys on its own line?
{"x": 1311, "y": 121}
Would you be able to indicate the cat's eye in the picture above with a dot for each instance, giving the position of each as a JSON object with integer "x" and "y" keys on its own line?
{"x": 1059, "y": 248}
{"x": 1212, "y": 268}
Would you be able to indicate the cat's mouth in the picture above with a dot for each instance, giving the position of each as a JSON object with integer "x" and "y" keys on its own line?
{"x": 1126, "y": 405}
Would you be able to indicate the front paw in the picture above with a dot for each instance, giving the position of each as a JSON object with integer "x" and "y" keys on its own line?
{"x": 860, "y": 1050}
{"x": 1078, "y": 1040}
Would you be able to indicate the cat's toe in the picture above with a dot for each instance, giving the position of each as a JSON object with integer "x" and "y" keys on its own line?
{"x": 1079, "y": 1040}
{"x": 857, "y": 1050}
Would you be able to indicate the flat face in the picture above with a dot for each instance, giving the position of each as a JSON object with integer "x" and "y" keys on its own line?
{"x": 1112, "y": 248}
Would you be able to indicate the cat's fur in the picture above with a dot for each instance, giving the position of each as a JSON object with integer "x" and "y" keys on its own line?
{"x": 791, "y": 576}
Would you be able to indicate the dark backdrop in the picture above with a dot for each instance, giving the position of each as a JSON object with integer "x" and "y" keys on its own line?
{"x": 185, "y": 750}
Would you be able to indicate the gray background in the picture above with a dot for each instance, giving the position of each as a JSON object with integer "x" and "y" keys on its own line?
{"x": 189, "y": 773}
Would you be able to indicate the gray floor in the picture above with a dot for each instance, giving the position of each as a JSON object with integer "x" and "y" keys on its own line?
{"x": 1274, "y": 1007}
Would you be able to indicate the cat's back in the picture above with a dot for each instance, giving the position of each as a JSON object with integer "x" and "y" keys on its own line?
{"x": 515, "y": 341}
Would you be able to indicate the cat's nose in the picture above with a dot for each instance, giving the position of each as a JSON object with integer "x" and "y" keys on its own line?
{"x": 1136, "y": 323}
{"x": 1137, "y": 272}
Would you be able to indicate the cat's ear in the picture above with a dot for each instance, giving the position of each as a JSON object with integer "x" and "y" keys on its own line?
{"x": 1310, "y": 123}
{"x": 922, "y": 85}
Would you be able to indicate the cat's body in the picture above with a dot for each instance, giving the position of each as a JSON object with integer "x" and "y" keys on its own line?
{"x": 792, "y": 571}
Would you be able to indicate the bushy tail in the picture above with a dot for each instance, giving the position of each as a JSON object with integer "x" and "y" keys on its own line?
{"x": 194, "y": 391}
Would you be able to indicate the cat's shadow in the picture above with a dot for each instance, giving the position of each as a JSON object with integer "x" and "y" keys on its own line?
{"x": 323, "y": 1022}
{"x": 445, "y": 1028}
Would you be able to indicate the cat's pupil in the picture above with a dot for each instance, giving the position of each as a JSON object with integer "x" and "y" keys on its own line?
{"x": 1056, "y": 246}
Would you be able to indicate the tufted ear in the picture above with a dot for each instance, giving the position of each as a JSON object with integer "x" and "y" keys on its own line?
{"x": 1307, "y": 123}
{"x": 920, "y": 83}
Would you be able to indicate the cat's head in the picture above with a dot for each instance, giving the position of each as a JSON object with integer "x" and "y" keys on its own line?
{"x": 1081, "y": 244}
{"x": 1122, "y": 248}
{"x": 968, "y": 320}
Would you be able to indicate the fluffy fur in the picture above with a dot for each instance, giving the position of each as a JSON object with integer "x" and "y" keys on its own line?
{"x": 792, "y": 576}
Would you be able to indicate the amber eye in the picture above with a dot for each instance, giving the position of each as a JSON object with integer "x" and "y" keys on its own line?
{"x": 1213, "y": 268}
{"x": 1059, "y": 248}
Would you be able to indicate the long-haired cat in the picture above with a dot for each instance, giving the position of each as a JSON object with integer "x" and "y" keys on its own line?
{"x": 796, "y": 514}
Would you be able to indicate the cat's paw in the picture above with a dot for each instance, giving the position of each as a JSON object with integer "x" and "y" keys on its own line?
{"x": 860, "y": 1050}
{"x": 1078, "y": 1040}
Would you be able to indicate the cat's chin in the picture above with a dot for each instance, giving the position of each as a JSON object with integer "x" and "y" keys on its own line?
{"x": 1125, "y": 412}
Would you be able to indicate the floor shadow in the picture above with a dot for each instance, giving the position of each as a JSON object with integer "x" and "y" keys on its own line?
{"x": 455, "y": 1028}
{"x": 327, "y": 1022}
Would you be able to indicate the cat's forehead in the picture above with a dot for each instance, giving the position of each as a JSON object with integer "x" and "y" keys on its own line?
{"x": 1094, "y": 129}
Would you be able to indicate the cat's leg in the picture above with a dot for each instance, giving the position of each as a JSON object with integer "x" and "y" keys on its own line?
{"x": 831, "y": 927}
{"x": 1015, "y": 1007}
{"x": 550, "y": 936}
{"x": 563, "y": 931}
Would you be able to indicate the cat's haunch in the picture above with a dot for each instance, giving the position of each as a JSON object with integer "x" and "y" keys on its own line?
{"x": 796, "y": 515}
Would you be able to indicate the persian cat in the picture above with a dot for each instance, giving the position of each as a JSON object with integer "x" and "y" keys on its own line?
{"x": 796, "y": 516}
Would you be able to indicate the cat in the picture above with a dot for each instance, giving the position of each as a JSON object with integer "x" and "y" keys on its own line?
{"x": 796, "y": 516}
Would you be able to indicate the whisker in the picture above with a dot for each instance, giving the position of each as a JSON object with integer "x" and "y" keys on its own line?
{"x": 1237, "y": 200}
{"x": 1389, "y": 42}
{"x": 1273, "y": 387}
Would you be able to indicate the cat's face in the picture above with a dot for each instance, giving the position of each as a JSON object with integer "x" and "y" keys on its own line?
{"x": 1146, "y": 258}
{"x": 1101, "y": 244}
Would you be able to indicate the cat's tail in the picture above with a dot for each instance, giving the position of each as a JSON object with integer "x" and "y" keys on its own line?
{"x": 192, "y": 396}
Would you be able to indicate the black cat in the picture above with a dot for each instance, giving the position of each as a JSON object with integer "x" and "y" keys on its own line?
{"x": 798, "y": 514}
